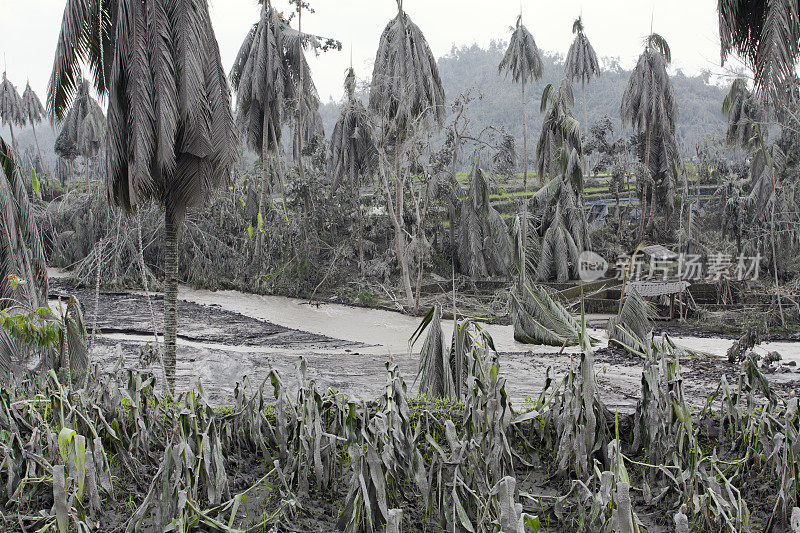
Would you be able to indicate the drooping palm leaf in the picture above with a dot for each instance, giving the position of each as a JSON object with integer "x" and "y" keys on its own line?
{"x": 766, "y": 35}
{"x": 581, "y": 62}
{"x": 405, "y": 77}
{"x": 540, "y": 319}
{"x": 435, "y": 375}
{"x": 21, "y": 248}
{"x": 632, "y": 328}
{"x": 484, "y": 248}
{"x": 560, "y": 130}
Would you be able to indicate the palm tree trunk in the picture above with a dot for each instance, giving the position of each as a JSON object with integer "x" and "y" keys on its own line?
{"x": 525, "y": 182}
{"x": 36, "y": 138}
{"x": 652, "y": 209}
{"x": 171, "y": 224}
{"x": 357, "y": 179}
{"x": 400, "y": 238}
{"x": 279, "y": 170}
{"x": 586, "y": 126}
{"x": 644, "y": 190}
{"x": 13, "y": 140}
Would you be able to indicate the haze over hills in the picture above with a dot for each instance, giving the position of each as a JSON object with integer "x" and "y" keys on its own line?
{"x": 699, "y": 102}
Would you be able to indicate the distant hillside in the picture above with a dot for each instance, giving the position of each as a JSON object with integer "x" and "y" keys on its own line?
{"x": 699, "y": 103}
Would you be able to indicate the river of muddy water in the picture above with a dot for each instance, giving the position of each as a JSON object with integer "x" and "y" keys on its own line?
{"x": 225, "y": 335}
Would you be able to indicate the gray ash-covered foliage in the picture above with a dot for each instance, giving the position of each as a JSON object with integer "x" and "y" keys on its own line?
{"x": 484, "y": 247}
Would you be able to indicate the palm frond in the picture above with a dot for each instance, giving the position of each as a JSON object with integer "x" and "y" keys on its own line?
{"x": 405, "y": 78}
{"x": 766, "y": 35}
{"x": 539, "y": 319}
{"x": 522, "y": 58}
{"x": 21, "y": 248}
{"x": 632, "y": 327}
{"x": 11, "y": 108}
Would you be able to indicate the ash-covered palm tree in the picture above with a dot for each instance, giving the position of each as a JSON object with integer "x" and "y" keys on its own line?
{"x": 524, "y": 62}
{"x": 581, "y": 64}
{"x": 353, "y": 153}
{"x": 560, "y": 129}
{"x": 649, "y": 105}
{"x": 170, "y": 135}
{"x": 84, "y": 107}
{"x": 261, "y": 82}
{"x": 745, "y": 113}
{"x": 21, "y": 249}
{"x": 766, "y": 35}
{"x": 90, "y": 137}
{"x": 560, "y": 220}
{"x": 483, "y": 246}
{"x": 269, "y": 72}
{"x": 11, "y": 109}
{"x": 406, "y": 90}
{"x": 33, "y": 113}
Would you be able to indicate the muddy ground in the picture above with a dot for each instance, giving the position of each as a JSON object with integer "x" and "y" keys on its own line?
{"x": 226, "y": 335}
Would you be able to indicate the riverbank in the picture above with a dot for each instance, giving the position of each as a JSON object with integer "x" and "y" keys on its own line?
{"x": 225, "y": 335}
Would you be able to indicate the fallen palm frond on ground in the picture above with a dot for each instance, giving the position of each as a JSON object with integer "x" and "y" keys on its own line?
{"x": 540, "y": 319}
{"x": 632, "y": 326}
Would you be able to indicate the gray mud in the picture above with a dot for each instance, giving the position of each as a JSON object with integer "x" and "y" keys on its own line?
{"x": 225, "y": 336}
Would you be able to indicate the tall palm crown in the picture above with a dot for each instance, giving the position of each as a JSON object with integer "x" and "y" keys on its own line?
{"x": 170, "y": 134}
{"x": 11, "y": 110}
{"x": 649, "y": 98}
{"x": 650, "y": 107}
{"x": 581, "y": 63}
{"x": 405, "y": 77}
{"x": 32, "y": 108}
{"x": 83, "y": 107}
{"x": 33, "y": 112}
{"x": 352, "y": 150}
{"x": 261, "y": 81}
{"x": 766, "y": 35}
{"x": 522, "y": 58}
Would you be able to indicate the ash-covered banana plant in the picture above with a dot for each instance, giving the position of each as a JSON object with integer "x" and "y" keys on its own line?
{"x": 443, "y": 373}
{"x": 52, "y": 452}
{"x": 578, "y": 415}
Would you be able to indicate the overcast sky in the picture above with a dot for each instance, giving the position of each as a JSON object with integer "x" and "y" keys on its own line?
{"x": 29, "y": 30}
